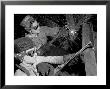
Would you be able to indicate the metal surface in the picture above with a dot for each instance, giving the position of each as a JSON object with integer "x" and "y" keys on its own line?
{"x": 89, "y": 45}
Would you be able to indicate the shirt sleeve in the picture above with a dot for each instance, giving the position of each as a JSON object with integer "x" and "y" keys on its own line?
{"x": 50, "y": 59}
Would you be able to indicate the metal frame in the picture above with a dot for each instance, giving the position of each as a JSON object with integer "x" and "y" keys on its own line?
{"x": 4, "y": 3}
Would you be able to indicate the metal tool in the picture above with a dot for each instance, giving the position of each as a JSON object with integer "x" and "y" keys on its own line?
{"x": 89, "y": 45}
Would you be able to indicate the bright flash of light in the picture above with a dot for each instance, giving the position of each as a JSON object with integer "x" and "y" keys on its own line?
{"x": 72, "y": 32}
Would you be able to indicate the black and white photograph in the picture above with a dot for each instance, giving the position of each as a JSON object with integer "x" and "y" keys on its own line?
{"x": 55, "y": 44}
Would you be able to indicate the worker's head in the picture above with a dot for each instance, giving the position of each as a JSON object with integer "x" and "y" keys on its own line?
{"x": 30, "y": 24}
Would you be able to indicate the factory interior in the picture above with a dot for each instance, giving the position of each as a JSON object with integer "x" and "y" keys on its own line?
{"x": 55, "y": 44}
